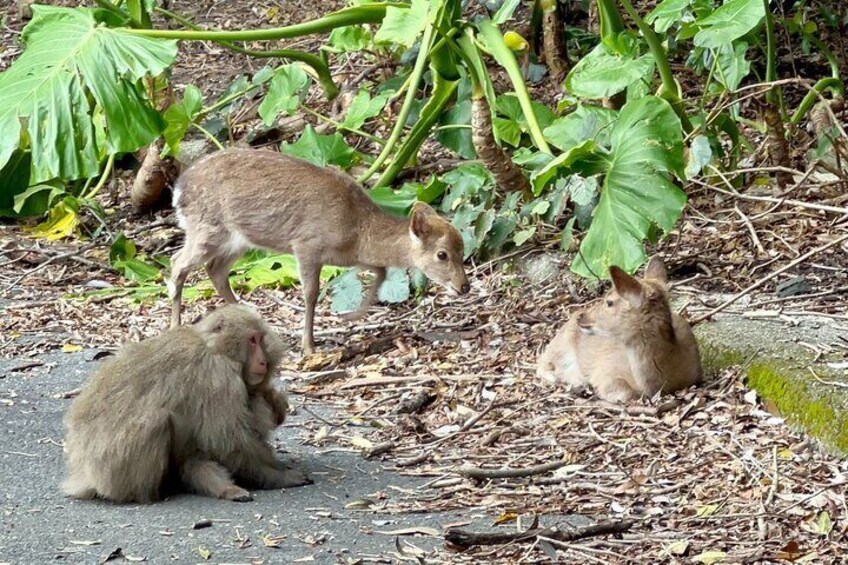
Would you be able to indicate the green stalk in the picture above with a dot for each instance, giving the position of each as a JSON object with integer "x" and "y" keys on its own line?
{"x": 412, "y": 90}
{"x": 112, "y": 8}
{"x": 669, "y": 90}
{"x": 138, "y": 13}
{"x": 339, "y": 126}
{"x": 772, "y": 96}
{"x": 443, "y": 90}
{"x": 477, "y": 71}
{"x": 503, "y": 55}
{"x": 831, "y": 59}
{"x": 322, "y": 70}
{"x": 611, "y": 23}
{"x": 812, "y": 96}
{"x": 365, "y": 14}
{"x": 107, "y": 170}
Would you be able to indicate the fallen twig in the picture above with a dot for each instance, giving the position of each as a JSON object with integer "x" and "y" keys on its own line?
{"x": 464, "y": 538}
{"x": 379, "y": 449}
{"x": 71, "y": 254}
{"x": 767, "y": 278}
{"x": 508, "y": 472}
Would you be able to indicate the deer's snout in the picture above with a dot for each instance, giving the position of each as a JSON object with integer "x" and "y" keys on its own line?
{"x": 460, "y": 283}
{"x": 584, "y": 323}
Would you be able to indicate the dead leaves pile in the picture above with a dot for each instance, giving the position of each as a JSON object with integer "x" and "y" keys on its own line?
{"x": 709, "y": 476}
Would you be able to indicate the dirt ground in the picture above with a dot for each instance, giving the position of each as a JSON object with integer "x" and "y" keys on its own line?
{"x": 707, "y": 476}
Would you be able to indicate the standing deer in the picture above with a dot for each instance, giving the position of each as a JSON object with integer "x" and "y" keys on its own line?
{"x": 237, "y": 199}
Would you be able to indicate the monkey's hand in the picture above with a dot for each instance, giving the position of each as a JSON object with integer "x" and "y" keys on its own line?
{"x": 278, "y": 402}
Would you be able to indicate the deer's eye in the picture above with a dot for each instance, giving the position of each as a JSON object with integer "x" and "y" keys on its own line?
{"x": 442, "y": 256}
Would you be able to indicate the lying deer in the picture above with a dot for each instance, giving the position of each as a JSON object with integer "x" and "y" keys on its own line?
{"x": 237, "y": 199}
{"x": 628, "y": 345}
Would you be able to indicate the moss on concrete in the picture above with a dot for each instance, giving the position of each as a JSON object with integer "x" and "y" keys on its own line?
{"x": 781, "y": 376}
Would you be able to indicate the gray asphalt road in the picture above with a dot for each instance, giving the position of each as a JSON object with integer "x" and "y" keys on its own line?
{"x": 311, "y": 524}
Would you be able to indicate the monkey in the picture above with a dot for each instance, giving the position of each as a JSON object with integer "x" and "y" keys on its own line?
{"x": 194, "y": 406}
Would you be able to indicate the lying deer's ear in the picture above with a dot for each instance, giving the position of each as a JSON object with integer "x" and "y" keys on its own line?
{"x": 626, "y": 286}
{"x": 423, "y": 208}
{"x": 418, "y": 223}
{"x": 656, "y": 270}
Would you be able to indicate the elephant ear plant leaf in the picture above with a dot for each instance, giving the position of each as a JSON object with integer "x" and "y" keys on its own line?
{"x": 74, "y": 75}
{"x": 637, "y": 193}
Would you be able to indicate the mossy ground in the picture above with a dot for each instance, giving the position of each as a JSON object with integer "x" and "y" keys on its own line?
{"x": 791, "y": 383}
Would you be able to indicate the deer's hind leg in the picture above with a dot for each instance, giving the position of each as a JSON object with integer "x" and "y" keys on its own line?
{"x": 199, "y": 248}
{"x": 218, "y": 269}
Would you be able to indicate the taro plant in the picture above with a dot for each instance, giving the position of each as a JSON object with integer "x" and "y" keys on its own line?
{"x": 610, "y": 160}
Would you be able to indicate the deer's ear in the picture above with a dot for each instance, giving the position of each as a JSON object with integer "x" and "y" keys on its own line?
{"x": 626, "y": 286}
{"x": 656, "y": 270}
{"x": 419, "y": 224}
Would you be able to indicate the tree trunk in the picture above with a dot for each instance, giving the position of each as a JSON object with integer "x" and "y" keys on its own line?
{"x": 776, "y": 145}
{"x": 553, "y": 39}
{"x": 508, "y": 176}
{"x": 153, "y": 177}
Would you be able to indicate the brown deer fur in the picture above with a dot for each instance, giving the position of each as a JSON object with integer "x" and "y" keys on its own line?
{"x": 237, "y": 199}
{"x": 630, "y": 344}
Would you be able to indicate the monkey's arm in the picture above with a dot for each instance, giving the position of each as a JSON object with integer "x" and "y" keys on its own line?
{"x": 278, "y": 402}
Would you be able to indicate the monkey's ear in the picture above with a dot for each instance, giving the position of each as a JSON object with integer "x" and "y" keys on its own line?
{"x": 218, "y": 326}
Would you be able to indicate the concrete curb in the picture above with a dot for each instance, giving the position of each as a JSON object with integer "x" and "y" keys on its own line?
{"x": 777, "y": 359}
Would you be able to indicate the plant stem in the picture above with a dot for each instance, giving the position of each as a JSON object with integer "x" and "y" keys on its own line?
{"x": 503, "y": 55}
{"x": 365, "y": 14}
{"x": 138, "y": 13}
{"x": 443, "y": 90}
{"x": 112, "y": 8}
{"x": 339, "y": 126}
{"x": 412, "y": 90}
{"x": 107, "y": 170}
{"x": 320, "y": 66}
{"x": 611, "y": 23}
{"x": 811, "y": 97}
{"x": 831, "y": 59}
{"x": 772, "y": 96}
{"x": 670, "y": 91}
{"x": 208, "y": 134}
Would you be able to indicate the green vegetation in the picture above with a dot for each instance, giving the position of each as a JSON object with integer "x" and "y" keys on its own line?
{"x": 606, "y": 166}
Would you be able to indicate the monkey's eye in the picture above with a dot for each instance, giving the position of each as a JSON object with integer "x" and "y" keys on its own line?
{"x": 443, "y": 256}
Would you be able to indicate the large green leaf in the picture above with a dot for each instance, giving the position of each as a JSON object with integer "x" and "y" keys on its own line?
{"x": 73, "y": 68}
{"x": 666, "y": 14}
{"x": 603, "y": 72}
{"x": 288, "y": 87}
{"x": 732, "y": 65}
{"x": 403, "y": 24}
{"x": 362, "y": 108}
{"x": 510, "y": 121}
{"x": 179, "y": 117}
{"x": 585, "y": 152}
{"x": 583, "y": 124}
{"x": 637, "y": 193}
{"x": 320, "y": 149}
{"x": 396, "y": 286}
{"x": 350, "y": 38}
{"x": 729, "y": 22}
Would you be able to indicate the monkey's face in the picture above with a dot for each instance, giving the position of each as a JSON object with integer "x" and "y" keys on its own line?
{"x": 256, "y": 364}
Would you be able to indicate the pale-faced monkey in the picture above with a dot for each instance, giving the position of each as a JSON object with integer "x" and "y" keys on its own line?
{"x": 195, "y": 404}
